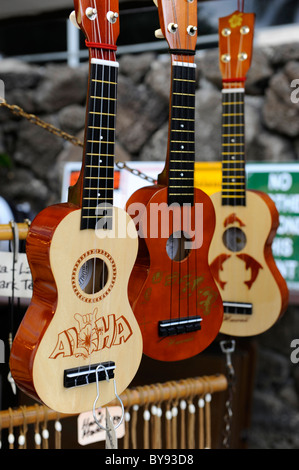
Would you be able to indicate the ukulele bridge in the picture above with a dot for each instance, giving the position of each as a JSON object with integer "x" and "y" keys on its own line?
{"x": 240, "y": 308}
{"x": 79, "y": 376}
{"x": 179, "y": 326}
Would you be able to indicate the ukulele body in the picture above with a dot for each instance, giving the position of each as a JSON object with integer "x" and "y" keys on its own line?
{"x": 67, "y": 327}
{"x": 242, "y": 263}
{"x": 161, "y": 288}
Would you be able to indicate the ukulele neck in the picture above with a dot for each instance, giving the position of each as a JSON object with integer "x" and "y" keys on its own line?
{"x": 233, "y": 148}
{"x": 181, "y": 145}
{"x": 98, "y": 170}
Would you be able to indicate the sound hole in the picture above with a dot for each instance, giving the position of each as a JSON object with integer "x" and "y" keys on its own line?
{"x": 177, "y": 246}
{"x": 93, "y": 275}
{"x": 234, "y": 239}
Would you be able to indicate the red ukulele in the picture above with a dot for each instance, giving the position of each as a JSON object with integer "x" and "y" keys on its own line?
{"x": 253, "y": 291}
{"x": 171, "y": 289}
{"x": 79, "y": 339}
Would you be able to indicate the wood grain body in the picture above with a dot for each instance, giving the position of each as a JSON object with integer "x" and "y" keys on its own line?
{"x": 249, "y": 275}
{"x": 162, "y": 289}
{"x": 64, "y": 327}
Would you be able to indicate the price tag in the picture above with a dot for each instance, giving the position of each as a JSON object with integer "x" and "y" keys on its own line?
{"x": 23, "y": 284}
{"x": 88, "y": 430}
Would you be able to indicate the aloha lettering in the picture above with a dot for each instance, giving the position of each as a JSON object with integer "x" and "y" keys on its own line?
{"x": 92, "y": 334}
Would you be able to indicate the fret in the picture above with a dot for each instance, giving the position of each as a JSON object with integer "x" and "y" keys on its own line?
{"x": 103, "y": 81}
{"x": 180, "y": 151}
{"x": 234, "y": 144}
{"x": 183, "y": 80}
{"x": 182, "y": 141}
{"x": 233, "y": 176}
{"x": 182, "y": 130}
{"x": 232, "y": 169}
{"x": 181, "y": 194}
{"x": 103, "y": 98}
{"x": 98, "y": 178}
{"x": 105, "y": 128}
{"x": 232, "y": 135}
{"x": 100, "y": 142}
{"x": 232, "y": 153}
{"x": 96, "y": 188}
{"x": 182, "y": 119}
{"x": 232, "y": 161}
{"x": 99, "y": 113}
{"x": 184, "y": 94}
{"x": 232, "y": 102}
{"x": 99, "y": 166}
{"x": 234, "y": 190}
{"x": 233, "y": 114}
{"x": 101, "y": 154}
{"x": 184, "y": 107}
{"x": 96, "y": 198}
{"x": 235, "y": 125}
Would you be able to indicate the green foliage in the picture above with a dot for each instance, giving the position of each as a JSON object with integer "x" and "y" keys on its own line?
{"x": 5, "y": 160}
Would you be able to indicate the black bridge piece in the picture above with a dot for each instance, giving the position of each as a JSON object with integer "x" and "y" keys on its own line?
{"x": 240, "y": 308}
{"x": 85, "y": 375}
{"x": 179, "y": 326}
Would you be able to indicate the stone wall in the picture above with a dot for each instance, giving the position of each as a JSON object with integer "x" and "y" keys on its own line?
{"x": 32, "y": 159}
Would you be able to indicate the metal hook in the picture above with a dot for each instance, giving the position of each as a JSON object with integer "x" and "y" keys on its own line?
{"x": 228, "y": 347}
{"x": 15, "y": 231}
{"x": 97, "y": 397}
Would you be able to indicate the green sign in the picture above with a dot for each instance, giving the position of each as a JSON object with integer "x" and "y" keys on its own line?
{"x": 281, "y": 182}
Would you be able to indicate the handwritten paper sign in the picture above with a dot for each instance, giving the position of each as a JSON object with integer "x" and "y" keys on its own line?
{"x": 88, "y": 430}
{"x": 22, "y": 276}
{"x": 111, "y": 439}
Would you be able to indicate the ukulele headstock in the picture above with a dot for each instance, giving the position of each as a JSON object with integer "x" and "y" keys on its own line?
{"x": 235, "y": 45}
{"x": 178, "y": 22}
{"x": 99, "y": 20}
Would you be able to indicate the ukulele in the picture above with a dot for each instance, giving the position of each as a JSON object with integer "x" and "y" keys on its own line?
{"x": 79, "y": 333}
{"x": 172, "y": 291}
{"x": 253, "y": 291}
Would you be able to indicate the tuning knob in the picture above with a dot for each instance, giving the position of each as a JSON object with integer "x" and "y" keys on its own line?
{"x": 73, "y": 19}
{"x": 159, "y": 34}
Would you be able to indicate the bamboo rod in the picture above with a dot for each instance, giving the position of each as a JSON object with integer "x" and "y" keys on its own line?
{"x": 6, "y": 232}
{"x": 150, "y": 394}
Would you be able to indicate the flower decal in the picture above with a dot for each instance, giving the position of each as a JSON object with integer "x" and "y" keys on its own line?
{"x": 236, "y": 20}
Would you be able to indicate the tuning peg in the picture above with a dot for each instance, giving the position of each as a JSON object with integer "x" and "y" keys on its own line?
{"x": 73, "y": 19}
{"x": 159, "y": 34}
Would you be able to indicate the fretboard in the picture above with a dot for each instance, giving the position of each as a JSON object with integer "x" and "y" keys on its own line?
{"x": 98, "y": 179}
{"x": 233, "y": 148}
{"x": 181, "y": 135}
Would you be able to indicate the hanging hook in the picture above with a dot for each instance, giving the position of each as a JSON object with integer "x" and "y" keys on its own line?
{"x": 15, "y": 241}
{"x": 100, "y": 366}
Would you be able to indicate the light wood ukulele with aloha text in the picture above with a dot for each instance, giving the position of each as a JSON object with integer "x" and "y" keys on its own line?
{"x": 171, "y": 289}
{"x": 253, "y": 291}
{"x": 79, "y": 331}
